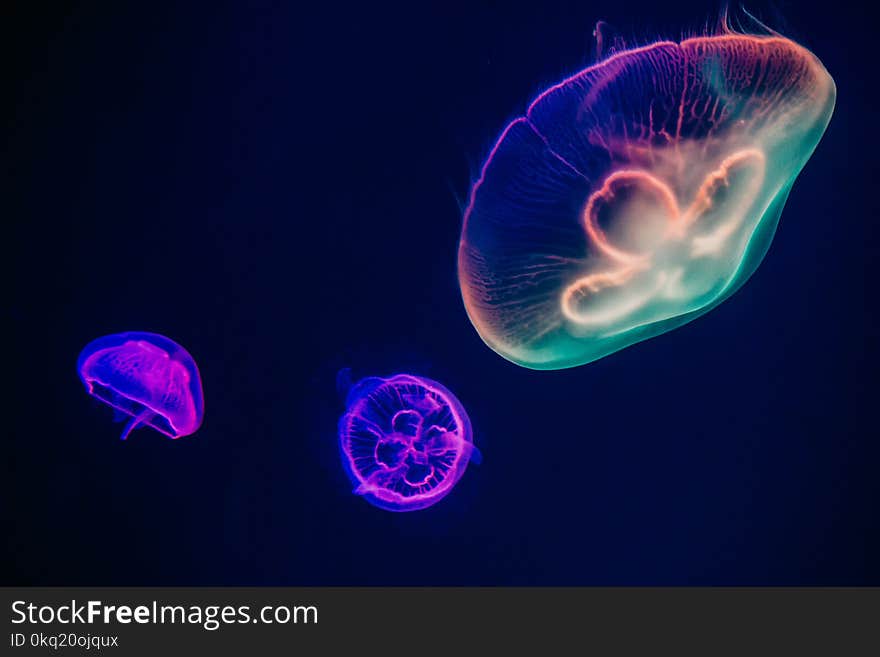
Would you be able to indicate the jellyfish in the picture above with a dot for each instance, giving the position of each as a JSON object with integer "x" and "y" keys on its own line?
{"x": 405, "y": 441}
{"x": 146, "y": 377}
{"x": 637, "y": 194}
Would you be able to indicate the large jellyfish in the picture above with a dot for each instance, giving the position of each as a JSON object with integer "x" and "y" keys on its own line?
{"x": 405, "y": 441}
{"x": 637, "y": 194}
{"x": 145, "y": 376}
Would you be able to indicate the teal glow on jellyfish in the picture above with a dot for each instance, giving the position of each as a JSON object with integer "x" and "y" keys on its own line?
{"x": 637, "y": 194}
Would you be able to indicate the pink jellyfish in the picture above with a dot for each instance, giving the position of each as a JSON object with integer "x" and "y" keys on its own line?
{"x": 148, "y": 377}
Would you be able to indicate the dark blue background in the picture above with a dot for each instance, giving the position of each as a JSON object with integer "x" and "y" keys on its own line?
{"x": 277, "y": 188}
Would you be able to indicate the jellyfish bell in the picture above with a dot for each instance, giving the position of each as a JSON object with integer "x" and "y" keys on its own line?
{"x": 637, "y": 194}
{"x": 405, "y": 441}
{"x": 146, "y": 377}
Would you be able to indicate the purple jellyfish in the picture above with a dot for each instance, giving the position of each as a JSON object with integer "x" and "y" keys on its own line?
{"x": 405, "y": 441}
{"x": 148, "y": 377}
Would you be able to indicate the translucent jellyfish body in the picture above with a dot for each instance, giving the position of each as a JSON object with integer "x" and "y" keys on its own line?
{"x": 145, "y": 376}
{"x": 637, "y": 194}
{"x": 405, "y": 441}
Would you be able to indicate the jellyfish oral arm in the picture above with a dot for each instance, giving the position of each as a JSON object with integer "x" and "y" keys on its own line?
{"x": 133, "y": 423}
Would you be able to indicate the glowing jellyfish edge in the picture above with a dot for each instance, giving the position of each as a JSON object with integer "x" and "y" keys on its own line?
{"x": 397, "y": 425}
{"x": 692, "y": 148}
{"x": 148, "y": 377}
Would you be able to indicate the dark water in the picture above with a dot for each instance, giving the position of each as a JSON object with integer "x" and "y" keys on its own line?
{"x": 276, "y": 189}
